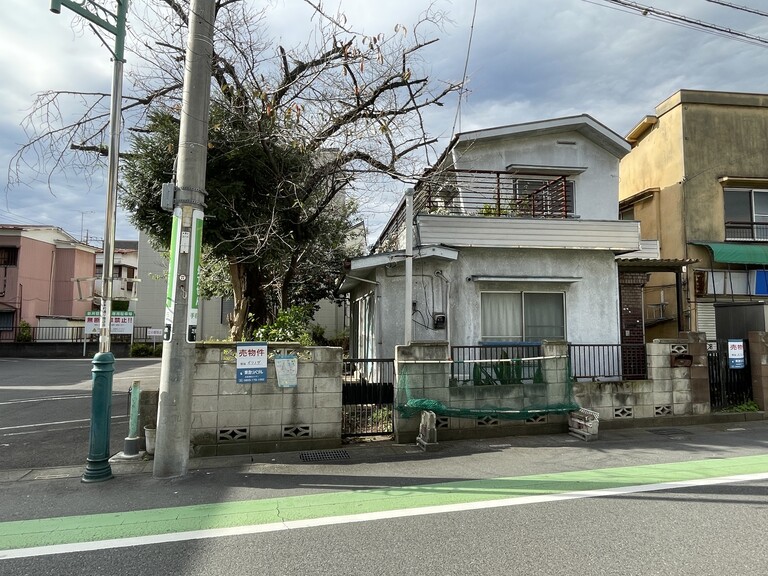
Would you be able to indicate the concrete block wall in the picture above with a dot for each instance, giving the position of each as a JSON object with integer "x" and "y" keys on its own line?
{"x": 668, "y": 391}
{"x": 426, "y": 367}
{"x": 231, "y": 418}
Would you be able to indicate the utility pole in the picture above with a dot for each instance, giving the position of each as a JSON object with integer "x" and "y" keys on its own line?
{"x": 97, "y": 467}
{"x": 181, "y": 305}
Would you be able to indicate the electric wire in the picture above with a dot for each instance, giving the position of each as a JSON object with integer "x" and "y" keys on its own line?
{"x": 681, "y": 20}
{"x": 462, "y": 90}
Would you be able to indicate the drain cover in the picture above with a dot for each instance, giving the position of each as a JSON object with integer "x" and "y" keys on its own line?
{"x": 324, "y": 455}
{"x": 669, "y": 432}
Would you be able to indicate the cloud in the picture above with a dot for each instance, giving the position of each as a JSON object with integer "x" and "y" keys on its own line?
{"x": 529, "y": 60}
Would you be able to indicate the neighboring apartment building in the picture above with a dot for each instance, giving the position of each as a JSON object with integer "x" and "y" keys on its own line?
{"x": 37, "y": 267}
{"x": 697, "y": 181}
{"x": 516, "y": 236}
{"x": 124, "y": 271}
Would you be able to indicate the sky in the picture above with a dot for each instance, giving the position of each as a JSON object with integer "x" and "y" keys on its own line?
{"x": 525, "y": 60}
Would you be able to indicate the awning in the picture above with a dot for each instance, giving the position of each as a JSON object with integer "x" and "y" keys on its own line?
{"x": 733, "y": 253}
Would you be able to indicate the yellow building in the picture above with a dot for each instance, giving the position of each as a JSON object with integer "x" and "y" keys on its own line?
{"x": 697, "y": 180}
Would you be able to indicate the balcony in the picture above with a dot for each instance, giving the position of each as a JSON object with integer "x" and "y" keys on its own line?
{"x": 493, "y": 193}
{"x": 746, "y": 231}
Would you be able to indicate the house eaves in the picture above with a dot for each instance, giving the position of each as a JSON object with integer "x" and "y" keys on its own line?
{"x": 584, "y": 124}
{"x": 358, "y": 268}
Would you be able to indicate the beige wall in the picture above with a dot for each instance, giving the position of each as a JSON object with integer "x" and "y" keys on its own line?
{"x": 698, "y": 138}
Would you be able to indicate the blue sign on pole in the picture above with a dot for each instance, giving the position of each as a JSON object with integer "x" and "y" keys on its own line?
{"x": 251, "y": 360}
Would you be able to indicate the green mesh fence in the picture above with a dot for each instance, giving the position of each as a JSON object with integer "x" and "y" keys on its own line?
{"x": 503, "y": 388}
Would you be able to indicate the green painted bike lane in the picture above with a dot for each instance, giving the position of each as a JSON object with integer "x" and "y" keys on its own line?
{"x": 137, "y": 523}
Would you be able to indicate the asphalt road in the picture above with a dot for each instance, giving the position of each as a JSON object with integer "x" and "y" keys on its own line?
{"x": 45, "y": 409}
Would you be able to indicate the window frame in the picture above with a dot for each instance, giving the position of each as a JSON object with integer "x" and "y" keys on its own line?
{"x": 12, "y": 258}
{"x": 484, "y": 339}
{"x": 756, "y": 226}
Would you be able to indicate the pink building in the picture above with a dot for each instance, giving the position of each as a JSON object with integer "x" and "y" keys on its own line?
{"x": 37, "y": 265}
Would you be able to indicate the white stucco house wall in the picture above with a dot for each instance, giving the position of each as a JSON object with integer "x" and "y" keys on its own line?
{"x": 516, "y": 234}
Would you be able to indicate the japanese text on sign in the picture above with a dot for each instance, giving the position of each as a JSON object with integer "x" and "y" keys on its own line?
{"x": 251, "y": 358}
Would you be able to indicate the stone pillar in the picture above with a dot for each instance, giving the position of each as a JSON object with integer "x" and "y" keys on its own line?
{"x": 421, "y": 372}
{"x": 555, "y": 371}
{"x": 758, "y": 359}
{"x": 699, "y": 371}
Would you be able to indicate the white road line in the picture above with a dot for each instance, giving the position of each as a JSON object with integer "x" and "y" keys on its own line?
{"x": 53, "y": 423}
{"x": 28, "y": 400}
{"x": 366, "y": 517}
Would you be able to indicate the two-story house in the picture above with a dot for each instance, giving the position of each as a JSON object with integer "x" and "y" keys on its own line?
{"x": 516, "y": 233}
{"x": 37, "y": 265}
{"x": 697, "y": 181}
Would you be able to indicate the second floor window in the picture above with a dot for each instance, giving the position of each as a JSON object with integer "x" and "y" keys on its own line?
{"x": 746, "y": 214}
{"x": 8, "y": 255}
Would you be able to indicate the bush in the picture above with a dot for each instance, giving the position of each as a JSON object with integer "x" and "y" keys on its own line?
{"x": 141, "y": 350}
{"x": 291, "y": 325}
{"x": 25, "y": 332}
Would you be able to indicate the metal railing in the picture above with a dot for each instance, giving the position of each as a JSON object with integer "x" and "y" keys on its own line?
{"x": 23, "y": 334}
{"x": 608, "y": 361}
{"x": 470, "y": 363}
{"x": 367, "y": 396}
{"x": 757, "y": 231}
{"x": 485, "y": 193}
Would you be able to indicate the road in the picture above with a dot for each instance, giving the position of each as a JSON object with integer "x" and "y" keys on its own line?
{"x": 45, "y": 408}
{"x": 686, "y": 501}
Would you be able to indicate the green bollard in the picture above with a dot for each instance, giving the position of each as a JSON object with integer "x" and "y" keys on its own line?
{"x": 98, "y": 469}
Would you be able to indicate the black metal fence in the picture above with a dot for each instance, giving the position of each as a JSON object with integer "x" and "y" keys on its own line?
{"x": 367, "y": 397}
{"x": 727, "y": 386}
{"x": 608, "y": 361}
{"x": 475, "y": 363}
{"x": 66, "y": 334}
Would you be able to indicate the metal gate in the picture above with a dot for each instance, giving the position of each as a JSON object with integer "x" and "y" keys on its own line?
{"x": 728, "y": 386}
{"x": 367, "y": 397}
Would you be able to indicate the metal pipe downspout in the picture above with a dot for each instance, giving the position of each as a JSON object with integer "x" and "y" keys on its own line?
{"x": 408, "y": 304}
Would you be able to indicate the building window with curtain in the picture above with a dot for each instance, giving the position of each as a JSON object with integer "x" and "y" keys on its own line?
{"x": 522, "y": 316}
{"x": 746, "y": 214}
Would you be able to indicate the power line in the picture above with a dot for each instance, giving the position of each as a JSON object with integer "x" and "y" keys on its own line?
{"x": 685, "y": 21}
{"x": 457, "y": 118}
{"x": 737, "y": 7}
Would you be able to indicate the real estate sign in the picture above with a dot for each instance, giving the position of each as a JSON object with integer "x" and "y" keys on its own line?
{"x": 251, "y": 358}
{"x": 736, "y": 358}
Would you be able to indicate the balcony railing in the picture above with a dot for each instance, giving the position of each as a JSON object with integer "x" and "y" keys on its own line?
{"x": 494, "y": 193}
{"x": 487, "y": 193}
{"x": 754, "y": 231}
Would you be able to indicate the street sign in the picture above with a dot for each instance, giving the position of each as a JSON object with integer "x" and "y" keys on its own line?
{"x": 121, "y": 322}
{"x": 194, "y": 272}
{"x": 152, "y": 332}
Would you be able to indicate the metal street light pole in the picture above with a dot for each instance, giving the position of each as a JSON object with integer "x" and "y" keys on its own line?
{"x": 98, "y": 468}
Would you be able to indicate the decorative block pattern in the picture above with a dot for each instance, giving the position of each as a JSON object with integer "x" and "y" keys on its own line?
{"x": 232, "y": 434}
{"x": 538, "y": 419}
{"x": 623, "y": 412}
{"x": 297, "y": 431}
{"x": 678, "y": 348}
{"x": 664, "y": 410}
{"x": 487, "y": 421}
{"x": 442, "y": 422}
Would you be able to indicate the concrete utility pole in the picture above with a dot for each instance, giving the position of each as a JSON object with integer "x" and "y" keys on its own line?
{"x": 97, "y": 467}
{"x": 181, "y": 305}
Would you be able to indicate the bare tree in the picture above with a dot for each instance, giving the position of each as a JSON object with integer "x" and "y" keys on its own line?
{"x": 319, "y": 118}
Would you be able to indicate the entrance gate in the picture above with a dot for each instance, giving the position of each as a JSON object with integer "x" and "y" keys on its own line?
{"x": 367, "y": 397}
{"x": 728, "y": 386}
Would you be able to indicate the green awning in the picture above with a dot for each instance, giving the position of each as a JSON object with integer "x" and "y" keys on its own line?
{"x": 732, "y": 253}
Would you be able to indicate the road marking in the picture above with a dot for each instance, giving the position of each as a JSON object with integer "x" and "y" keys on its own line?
{"x": 25, "y": 538}
{"x": 52, "y": 423}
{"x": 28, "y": 400}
